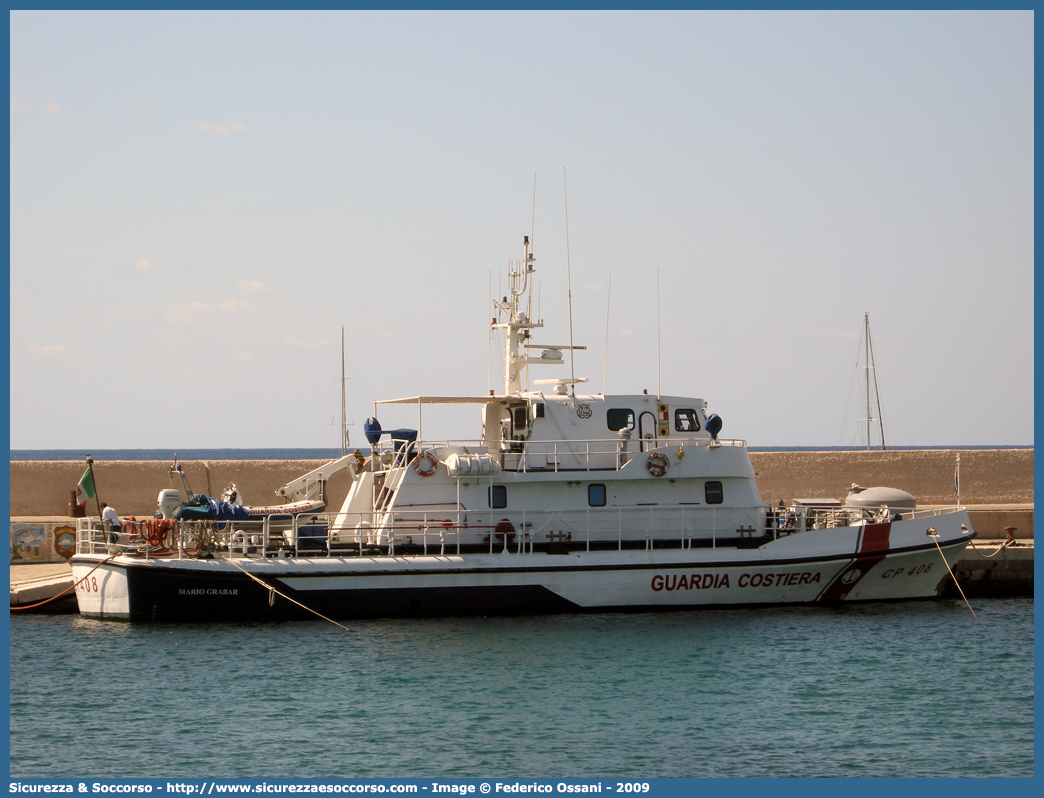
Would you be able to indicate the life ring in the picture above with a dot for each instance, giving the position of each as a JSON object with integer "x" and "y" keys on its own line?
{"x": 658, "y": 463}
{"x": 426, "y": 464}
{"x": 504, "y": 532}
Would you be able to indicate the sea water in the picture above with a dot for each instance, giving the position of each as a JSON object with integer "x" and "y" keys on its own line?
{"x": 900, "y": 689}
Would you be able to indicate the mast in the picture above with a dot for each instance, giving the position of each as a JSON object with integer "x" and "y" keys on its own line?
{"x": 866, "y": 346}
{"x": 517, "y": 324}
{"x": 871, "y": 366}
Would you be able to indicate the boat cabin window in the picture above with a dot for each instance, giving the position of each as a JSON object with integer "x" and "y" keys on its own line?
{"x": 596, "y": 495}
{"x": 686, "y": 420}
{"x": 519, "y": 417}
{"x": 617, "y": 418}
{"x": 712, "y": 492}
{"x": 497, "y": 497}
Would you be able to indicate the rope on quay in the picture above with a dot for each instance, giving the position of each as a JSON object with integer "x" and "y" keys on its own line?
{"x": 272, "y": 590}
{"x": 935, "y": 539}
{"x": 1002, "y": 547}
{"x": 71, "y": 587}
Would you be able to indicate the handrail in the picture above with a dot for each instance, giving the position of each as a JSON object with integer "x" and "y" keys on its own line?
{"x": 495, "y": 444}
{"x": 381, "y": 533}
{"x": 612, "y": 454}
{"x": 429, "y": 529}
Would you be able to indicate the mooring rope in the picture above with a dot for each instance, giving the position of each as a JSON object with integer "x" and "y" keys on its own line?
{"x": 935, "y": 538}
{"x": 73, "y": 585}
{"x": 272, "y": 590}
{"x": 1003, "y": 546}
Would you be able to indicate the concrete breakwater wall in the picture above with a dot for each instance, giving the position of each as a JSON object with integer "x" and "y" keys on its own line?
{"x": 988, "y": 477}
{"x": 41, "y": 487}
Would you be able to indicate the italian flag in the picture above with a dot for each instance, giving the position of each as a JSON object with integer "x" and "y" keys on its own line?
{"x": 85, "y": 489}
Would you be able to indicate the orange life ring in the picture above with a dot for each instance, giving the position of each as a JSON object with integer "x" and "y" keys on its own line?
{"x": 430, "y": 464}
{"x": 658, "y": 464}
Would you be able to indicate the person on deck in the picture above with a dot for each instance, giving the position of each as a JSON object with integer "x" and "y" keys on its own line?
{"x": 110, "y": 516}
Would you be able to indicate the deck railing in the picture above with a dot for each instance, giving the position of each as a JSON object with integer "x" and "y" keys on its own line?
{"x": 609, "y": 454}
{"x": 455, "y": 531}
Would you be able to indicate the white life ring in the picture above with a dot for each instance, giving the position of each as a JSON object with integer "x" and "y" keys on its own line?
{"x": 658, "y": 463}
{"x": 426, "y": 464}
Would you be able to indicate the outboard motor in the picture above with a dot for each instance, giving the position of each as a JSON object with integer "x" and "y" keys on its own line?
{"x": 713, "y": 425}
{"x": 168, "y": 501}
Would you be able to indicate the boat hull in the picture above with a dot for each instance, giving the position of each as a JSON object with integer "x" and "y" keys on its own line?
{"x": 872, "y": 563}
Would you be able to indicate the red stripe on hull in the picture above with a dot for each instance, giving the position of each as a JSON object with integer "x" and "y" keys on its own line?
{"x": 875, "y": 537}
{"x": 874, "y": 542}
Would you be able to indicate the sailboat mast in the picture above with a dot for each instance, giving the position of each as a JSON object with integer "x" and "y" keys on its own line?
{"x": 877, "y": 390}
{"x": 866, "y": 356}
{"x": 871, "y": 365}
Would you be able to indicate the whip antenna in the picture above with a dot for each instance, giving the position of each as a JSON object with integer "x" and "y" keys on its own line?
{"x": 492, "y": 333}
{"x": 532, "y": 238}
{"x": 658, "y": 370}
{"x": 532, "y": 226}
{"x": 344, "y": 415}
{"x": 605, "y": 363}
{"x": 569, "y": 288}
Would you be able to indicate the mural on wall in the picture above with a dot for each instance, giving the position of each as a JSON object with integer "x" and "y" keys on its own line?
{"x": 42, "y": 542}
{"x": 29, "y": 543}
{"x": 65, "y": 541}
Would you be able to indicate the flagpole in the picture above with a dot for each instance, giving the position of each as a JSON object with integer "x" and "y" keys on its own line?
{"x": 97, "y": 501}
{"x": 957, "y": 480}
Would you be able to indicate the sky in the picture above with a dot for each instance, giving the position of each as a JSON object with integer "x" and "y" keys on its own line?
{"x": 201, "y": 200}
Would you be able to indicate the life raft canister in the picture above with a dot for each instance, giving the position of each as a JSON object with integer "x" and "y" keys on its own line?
{"x": 426, "y": 464}
{"x": 657, "y": 464}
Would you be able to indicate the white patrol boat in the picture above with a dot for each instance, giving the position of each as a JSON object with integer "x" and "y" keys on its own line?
{"x": 564, "y": 503}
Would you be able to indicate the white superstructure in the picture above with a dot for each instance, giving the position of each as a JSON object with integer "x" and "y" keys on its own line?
{"x": 561, "y": 502}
